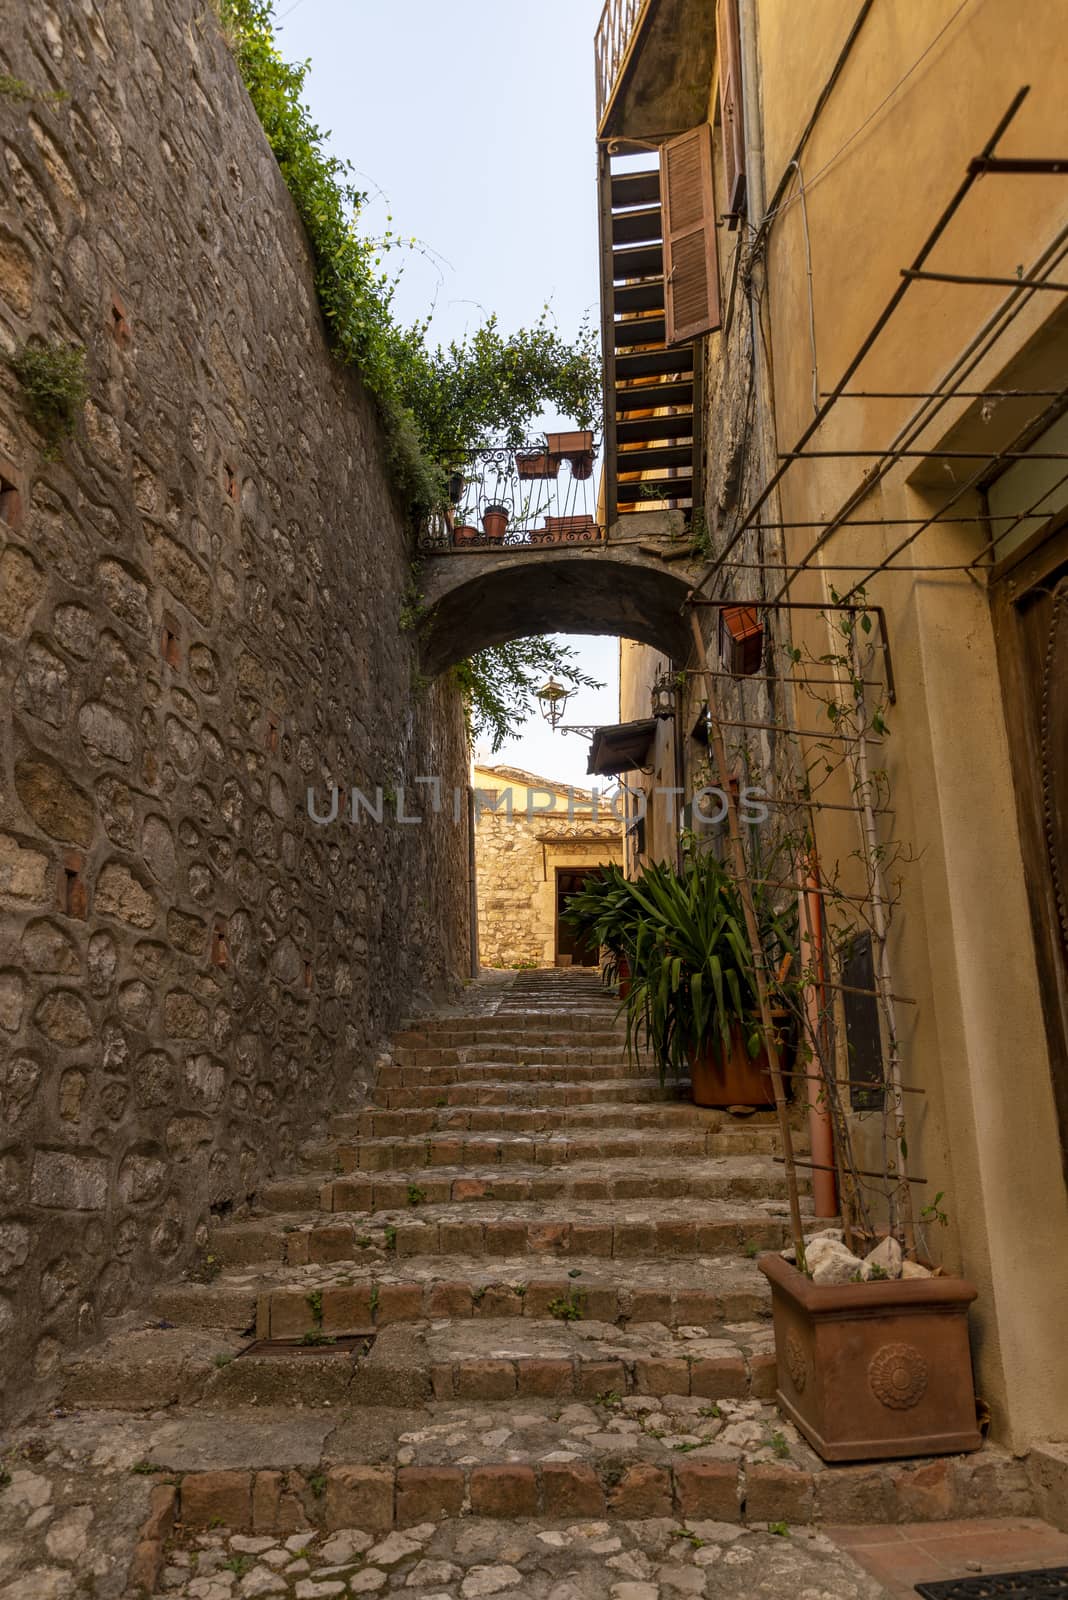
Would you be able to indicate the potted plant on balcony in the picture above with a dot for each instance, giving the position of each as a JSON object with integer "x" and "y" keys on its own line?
{"x": 495, "y": 522}
{"x": 464, "y": 533}
{"x": 565, "y": 530}
{"x": 536, "y": 463}
{"x": 576, "y": 448}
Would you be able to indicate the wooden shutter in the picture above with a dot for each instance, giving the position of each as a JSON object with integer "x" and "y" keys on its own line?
{"x": 691, "y": 264}
{"x": 729, "y": 55}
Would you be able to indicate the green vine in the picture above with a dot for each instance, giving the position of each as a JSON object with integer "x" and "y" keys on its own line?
{"x": 52, "y": 378}
{"x": 436, "y": 404}
{"x": 12, "y": 88}
{"x": 498, "y": 684}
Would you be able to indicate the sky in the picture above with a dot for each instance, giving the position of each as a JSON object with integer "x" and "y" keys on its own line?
{"x": 471, "y": 124}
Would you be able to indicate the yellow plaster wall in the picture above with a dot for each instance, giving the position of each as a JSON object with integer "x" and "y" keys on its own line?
{"x": 917, "y": 99}
{"x": 985, "y": 1132}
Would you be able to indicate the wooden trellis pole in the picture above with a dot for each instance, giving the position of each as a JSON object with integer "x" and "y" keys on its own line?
{"x": 745, "y": 890}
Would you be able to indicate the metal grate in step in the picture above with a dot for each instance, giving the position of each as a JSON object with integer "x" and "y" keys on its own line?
{"x": 1041, "y": 1583}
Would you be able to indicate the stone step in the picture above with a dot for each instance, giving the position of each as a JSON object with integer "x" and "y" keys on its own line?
{"x": 287, "y": 1302}
{"x": 753, "y": 1177}
{"x": 544, "y": 1150}
{"x": 504, "y": 1091}
{"x": 376, "y": 1123}
{"x": 535, "y": 1229}
{"x": 605, "y": 1056}
{"x": 391, "y": 1075}
{"x": 270, "y": 1469}
{"x": 517, "y": 1042}
{"x": 507, "y": 1358}
{"x": 406, "y": 1364}
{"x": 560, "y": 1022}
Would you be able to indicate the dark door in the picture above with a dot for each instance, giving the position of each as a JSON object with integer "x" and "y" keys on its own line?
{"x": 568, "y": 942}
{"x": 1031, "y": 616}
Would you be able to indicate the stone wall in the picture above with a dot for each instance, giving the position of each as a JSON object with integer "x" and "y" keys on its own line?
{"x": 199, "y": 602}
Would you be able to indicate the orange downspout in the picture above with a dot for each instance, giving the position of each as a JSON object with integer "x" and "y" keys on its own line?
{"x": 821, "y": 1135}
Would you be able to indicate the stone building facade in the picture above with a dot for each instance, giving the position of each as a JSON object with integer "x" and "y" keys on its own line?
{"x": 527, "y": 858}
{"x": 199, "y": 621}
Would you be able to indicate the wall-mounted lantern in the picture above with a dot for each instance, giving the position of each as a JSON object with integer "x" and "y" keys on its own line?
{"x": 552, "y": 697}
{"x": 665, "y": 695}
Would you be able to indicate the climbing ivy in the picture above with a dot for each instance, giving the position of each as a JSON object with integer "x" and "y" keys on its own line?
{"x": 436, "y": 403}
{"x": 52, "y": 378}
{"x": 498, "y": 685}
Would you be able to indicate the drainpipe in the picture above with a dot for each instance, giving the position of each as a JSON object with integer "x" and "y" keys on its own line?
{"x": 821, "y": 1135}
{"x": 755, "y": 197}
{"x": 679, "y": 753}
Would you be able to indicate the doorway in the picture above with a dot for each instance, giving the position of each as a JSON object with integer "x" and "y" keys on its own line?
{"x": 569, "y": 880}
{"x": 1029, "y": 594}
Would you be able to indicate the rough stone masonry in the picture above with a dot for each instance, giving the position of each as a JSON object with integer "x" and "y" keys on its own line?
{"x": 199, "y": 603}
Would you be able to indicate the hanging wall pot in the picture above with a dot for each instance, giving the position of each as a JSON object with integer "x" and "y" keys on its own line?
{"x": 576, "y": 448}
{"x": 536, "y": 464}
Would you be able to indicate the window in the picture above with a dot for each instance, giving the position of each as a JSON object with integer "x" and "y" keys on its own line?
{"x": 864, "y": 1051}
{"x": 729, "y": 55}
{"x": 691, "y": 264}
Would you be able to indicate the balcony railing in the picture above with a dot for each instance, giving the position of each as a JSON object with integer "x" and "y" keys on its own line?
{"x": 543, "y": 492}
{"x": 619, "y": 24}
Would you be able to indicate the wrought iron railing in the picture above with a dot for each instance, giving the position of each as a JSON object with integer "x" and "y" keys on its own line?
{"x": 620, "y": 21}
{"x": 543, "y": 492}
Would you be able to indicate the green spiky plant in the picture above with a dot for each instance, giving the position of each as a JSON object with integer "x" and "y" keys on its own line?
{"x": 607, "y": 912}
{"x": 683, "y": 935}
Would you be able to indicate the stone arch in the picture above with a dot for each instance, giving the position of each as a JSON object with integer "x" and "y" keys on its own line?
{"x": 472, "y": 601}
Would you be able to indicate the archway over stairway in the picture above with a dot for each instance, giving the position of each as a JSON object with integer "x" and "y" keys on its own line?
{"x": 482, "y": 598}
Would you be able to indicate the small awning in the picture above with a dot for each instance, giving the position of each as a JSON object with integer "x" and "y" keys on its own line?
{"x": 624, "y": 747}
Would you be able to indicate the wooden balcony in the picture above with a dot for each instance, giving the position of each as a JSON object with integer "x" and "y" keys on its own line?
{"x": 653, "y": 64}
{"x": 651, "y": 431}
{"x": 617, "y": 30}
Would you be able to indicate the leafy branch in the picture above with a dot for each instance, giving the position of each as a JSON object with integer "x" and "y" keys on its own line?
{"x": 498, "y": 684}
{"x": 435, "y": 404}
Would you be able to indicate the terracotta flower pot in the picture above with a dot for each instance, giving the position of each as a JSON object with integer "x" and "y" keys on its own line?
{"x": 465, "y": 534}
{"x": 574, "y": 447}
{"x": 536, "y": 464}
{"x": 494, "y": 522}
{"x": 733, "y": 1078}
{"x": 563, "y": 445}
{"x": 873, "y": 1371}
{"x": 623, "y": 975}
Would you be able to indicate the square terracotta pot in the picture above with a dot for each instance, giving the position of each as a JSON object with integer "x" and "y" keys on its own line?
{"x": 873, "y": 1371}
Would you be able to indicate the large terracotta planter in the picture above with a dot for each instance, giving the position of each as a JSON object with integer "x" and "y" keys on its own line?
{"x": 536, "y": 464}
{"x": 873, "y": 1371}
{"x": 574, "y": 447}
{"x": 734, "y": 1078}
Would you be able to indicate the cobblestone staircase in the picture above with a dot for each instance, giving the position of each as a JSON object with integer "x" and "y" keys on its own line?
{"x": 520, "y": 1283}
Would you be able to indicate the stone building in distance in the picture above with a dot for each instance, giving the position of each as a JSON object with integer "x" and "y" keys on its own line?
{"x": 536, "y": 840}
